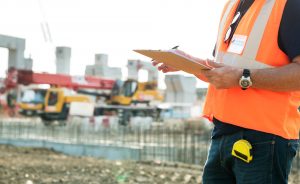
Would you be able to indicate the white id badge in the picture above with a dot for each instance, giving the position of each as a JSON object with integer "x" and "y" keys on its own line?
{"x": 237, "y": 44}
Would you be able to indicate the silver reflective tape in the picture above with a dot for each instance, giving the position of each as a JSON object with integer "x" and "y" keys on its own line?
{"x": 238, "y": 61}
{"x": 255, "y": 37}
{"x": 222, "y": 24}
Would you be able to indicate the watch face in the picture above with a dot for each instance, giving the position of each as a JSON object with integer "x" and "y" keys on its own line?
{"x": 245, "y": 83}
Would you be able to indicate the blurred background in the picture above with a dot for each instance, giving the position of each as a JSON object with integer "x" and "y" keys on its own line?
{"x": 77, "y": 105}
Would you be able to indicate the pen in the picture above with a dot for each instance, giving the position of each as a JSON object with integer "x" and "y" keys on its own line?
{"x": 175, "y": 47}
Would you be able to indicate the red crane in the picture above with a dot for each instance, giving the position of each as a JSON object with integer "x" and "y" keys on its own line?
{"x": 26, "y": 77}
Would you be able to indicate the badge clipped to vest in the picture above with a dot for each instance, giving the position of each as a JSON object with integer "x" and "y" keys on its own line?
{"x": 237, "y": 44}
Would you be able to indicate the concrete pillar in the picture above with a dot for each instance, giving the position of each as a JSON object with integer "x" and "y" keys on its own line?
{"x": 103, "y": 71}
{"x": 101, "y": 59}
{"x": 185, "y": 88}
{"x": 101, "y": 68}
{"x": 133, "y": 69}
{"x": 89, "y": 70}
{"x": 170, "y": 93}
{"x": 28, "y": 63}
{"x": 63, "y": 57}
{"x": 135, "y": 65}
{"x": 181, "y": 94}
{"x": 180, "y": 89}
{"x": 16, "y": 48}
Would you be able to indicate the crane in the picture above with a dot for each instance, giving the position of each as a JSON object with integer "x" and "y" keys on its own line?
{"x": 122, "y": 100}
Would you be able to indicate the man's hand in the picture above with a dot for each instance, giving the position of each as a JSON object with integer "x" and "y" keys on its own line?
{"x": 164, "y": 68}
{"x": 281, "y": 79}
{"x": 222, "y": 76}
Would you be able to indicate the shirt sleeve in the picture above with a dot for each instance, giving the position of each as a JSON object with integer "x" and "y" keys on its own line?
{"x": 289, "y": 31}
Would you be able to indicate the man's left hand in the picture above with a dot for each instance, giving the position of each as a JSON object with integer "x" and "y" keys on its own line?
{"x": 222, "y": 76}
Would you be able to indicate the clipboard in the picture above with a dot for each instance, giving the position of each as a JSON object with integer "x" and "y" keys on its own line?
{"x": 175, "y": 60}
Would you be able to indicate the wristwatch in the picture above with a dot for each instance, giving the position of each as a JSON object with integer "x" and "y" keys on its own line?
{"x": 245, "y": 81}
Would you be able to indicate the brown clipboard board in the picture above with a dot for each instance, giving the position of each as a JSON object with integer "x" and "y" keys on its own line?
{"x": 175, "y": 60}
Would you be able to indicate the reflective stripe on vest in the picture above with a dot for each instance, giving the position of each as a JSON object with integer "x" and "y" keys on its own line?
{"x": 222, "y": 23}
{"x": 262, "y": 110}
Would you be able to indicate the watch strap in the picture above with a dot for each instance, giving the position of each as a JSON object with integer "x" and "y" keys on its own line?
{"x": 246, "y": 73}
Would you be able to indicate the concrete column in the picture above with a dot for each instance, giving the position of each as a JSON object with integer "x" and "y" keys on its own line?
{"x": 135, "y": 65}
{"x": 63, "y": 57}
{"x": 185, "y": 88}
{"x": 170, "y": 92}
{"x": 133, "y": 69}
{"x": 101, "y": 59}
{"x": 101, "y": 68}
{"x": 28, "y": 63}
{"x": 16, "y": 48}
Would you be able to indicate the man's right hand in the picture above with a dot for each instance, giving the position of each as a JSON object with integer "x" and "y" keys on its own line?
{"x": 163, "y": 67}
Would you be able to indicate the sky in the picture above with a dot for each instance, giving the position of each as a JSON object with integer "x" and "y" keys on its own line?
{"x": 113, "y": 27}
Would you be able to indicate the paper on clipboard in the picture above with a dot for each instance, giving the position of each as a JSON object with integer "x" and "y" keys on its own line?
{"x": 176, "y": 60}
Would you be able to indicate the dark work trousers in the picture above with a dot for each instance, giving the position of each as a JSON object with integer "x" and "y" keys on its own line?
{"x": 271, "y": 164}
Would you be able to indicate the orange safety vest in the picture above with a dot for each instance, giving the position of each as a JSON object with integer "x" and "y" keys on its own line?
{"x": 256, "y": 36}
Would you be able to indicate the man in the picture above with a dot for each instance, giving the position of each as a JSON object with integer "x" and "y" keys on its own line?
{"x": 254, "y": 92}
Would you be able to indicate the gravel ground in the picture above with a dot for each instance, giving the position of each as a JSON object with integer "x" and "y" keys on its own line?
{"x": 41, "y": 166}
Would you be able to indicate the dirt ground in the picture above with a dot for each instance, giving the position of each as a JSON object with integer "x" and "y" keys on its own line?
{"x": 41, "y": 166}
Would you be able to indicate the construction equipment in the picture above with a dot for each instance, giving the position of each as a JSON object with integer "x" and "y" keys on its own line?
{"x": 57, "y": 103}
{"x": 26, "y": 77}
{"x": 132, "y": 98}
{"x": 242, "y": 150}
{"x": 134, "y": 92}
{"x": 122, "y": 99}
{"x": 32, "y": 101}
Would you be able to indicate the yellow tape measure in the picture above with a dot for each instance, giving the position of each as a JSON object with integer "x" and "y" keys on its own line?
{"x": 242, "y": 149}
